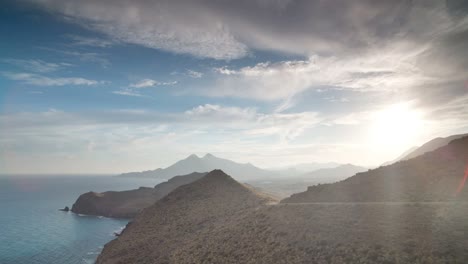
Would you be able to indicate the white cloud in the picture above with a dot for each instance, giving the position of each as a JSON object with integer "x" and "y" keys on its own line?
{"x": 229, "y": 30}
{"x": 40, "y": 80}
{"x": 390, "y": 69}
{"x": 89, "y": 57}
{"x": 145, "y": 83}
{"x": 127, "y": 92}
{"x": 194, "y": 74}
{"x": 37, "y": 65}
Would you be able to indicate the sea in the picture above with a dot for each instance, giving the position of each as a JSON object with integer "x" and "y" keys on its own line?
{"x": 33, "y": 230}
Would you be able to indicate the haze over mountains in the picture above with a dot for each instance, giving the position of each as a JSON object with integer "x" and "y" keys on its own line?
{"x": 426, "y": 147}
{"x": 432, "y": 177}
{"x": 207, "y": 163}
{"x": 413, "y": 211}
{"x": 242, "y": 171}
{"x": 294, "y": 183}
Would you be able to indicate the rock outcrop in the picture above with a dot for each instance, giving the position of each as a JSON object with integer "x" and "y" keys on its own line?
{"x": 126, "y": 204}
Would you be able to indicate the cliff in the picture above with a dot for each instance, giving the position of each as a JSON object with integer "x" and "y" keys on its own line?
{"x": 126, "y": 204}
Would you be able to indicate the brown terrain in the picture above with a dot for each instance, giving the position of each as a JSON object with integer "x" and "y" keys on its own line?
{"x": 175, "y": 221}
{"x": 127, "y": 204}
{"x": 403, "y": 213}
{"x": 433, "y": 176}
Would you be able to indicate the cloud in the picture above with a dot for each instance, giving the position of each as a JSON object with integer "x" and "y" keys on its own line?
{"x": 40, "y": 80}
{"x": 37, "y": 65}
{"x": 91, "y": 41}
{"x": 388, "y": 46}
{"x": 286, "y": 126}
{"x": 89, "y": 57}
{"x": 194, "y": 74}
{"x": 127, "y": 92}
{"x": 230, "y": 30}
{"x": 145, "y": 83}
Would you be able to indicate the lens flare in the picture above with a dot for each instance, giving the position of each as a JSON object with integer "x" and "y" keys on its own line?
{"x": 462, "y": 183}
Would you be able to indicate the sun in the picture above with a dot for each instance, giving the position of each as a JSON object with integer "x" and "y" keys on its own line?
{"x": 397, "y": 125}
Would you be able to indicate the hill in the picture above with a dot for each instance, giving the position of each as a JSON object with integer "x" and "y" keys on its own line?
{"x": 433, "y": 176}
{"x": 217, "y": 220}
{"x": 432, "y": 145}
{"x": 176, "y": 220}
{"x": 401, "y": 157}
{"x": 206, "y": 163}
{"x": 126, "y": 204}
{"x": 285, "y": 186}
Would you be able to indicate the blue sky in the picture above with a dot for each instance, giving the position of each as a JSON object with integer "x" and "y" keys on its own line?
{"x": 115, "y": 86}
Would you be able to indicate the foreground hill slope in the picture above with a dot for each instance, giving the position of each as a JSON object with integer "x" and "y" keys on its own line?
{"x": 434, "y": 176}
{"x": 217, "y": 220}
{"x": 176, "y": 220}
{"x": 206, "y": 163}
{"x": 126, "y": 204}
{"x": 432, "y": 145}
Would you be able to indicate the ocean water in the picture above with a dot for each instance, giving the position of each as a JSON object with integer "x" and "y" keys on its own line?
{"x": 32, "y": 230}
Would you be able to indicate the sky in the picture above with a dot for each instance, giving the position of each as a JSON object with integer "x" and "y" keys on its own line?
{"x": 116, "y": 86}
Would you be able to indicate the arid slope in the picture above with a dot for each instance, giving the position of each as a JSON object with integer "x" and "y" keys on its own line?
{"x": 190, "y": 211}
{"x": 434, "y": 176}
{"x": 126, "y": 204}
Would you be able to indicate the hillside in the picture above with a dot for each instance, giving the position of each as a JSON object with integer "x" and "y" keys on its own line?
{"x": 401, "y": 157}
{"x": 126, "y": 204}
{"x": 206, "y": 163}
{"x": 285, "y": 186}
{"x": 432, "y": 145}
{"x": 217, "y": 220}
{"x": 176, "y": 220}
{"x": 434, "y": 176}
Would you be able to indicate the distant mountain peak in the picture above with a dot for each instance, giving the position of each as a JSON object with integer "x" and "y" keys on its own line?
{"x": 193, "y": 156}
{"x": 208, "y": 156}
{"x": 208, "y": 162}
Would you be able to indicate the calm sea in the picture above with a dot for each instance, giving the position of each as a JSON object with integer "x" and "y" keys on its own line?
{"x": 32, "y": 230}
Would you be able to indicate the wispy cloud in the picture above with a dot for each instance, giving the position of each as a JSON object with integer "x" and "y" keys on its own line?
{"x": 145, "y": 83}
{"x": 91, "y": 41}
{"x": 37, "y": 65}
{"x": 89, "y": 57}
{"x": 40, "y": 80}
{"x": 127, "y": 92}
{"x": 194, "y": 74}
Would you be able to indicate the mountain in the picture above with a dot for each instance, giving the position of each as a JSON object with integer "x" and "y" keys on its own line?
{"x": 334, "y": 174}
{"x": 432, "y": 145}
{"x": 434, "y": 176}
{"x": 126, "y": 204}
{"x": 190, "y": 211}
{"x": 206, "y": 163}
{"x": 401, "y": 157}
{"x": 304, "y": 167}
{"x": 426, "y": 147}
{"x": 285, "y": 186}
{"x": 217, "y": 220}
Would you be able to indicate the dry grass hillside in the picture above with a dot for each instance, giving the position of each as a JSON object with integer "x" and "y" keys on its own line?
{"x": 434, "y": 176}
{"x": 175, "y": 221}
{"x": 217, "y": 220}
{"x": 127, "y": 204}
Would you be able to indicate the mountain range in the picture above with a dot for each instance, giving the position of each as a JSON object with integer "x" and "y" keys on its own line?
{"x": 413, "y": 211}
{"x": 434, "y": 176}
{"x": 207, "y": 163}
{"x": 426, "y": 147}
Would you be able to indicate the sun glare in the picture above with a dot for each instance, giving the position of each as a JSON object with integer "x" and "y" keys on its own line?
{"x": 397, "y": 125}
